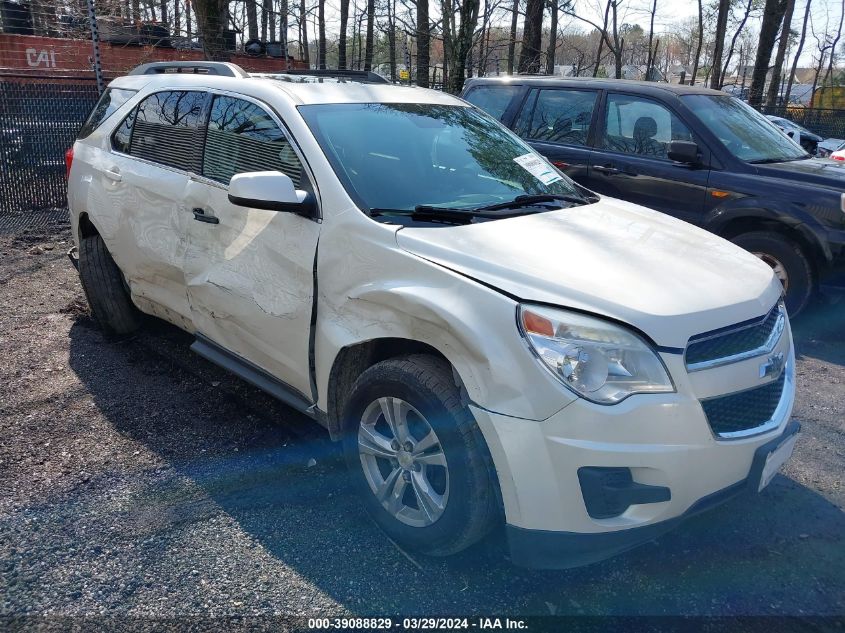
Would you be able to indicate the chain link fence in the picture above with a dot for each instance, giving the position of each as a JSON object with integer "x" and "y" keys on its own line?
{"x": 39, "y": 120}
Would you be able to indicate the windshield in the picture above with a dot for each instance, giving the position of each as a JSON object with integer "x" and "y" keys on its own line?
{"x": 403, "y": 156}
{"x": 742, "y": 130}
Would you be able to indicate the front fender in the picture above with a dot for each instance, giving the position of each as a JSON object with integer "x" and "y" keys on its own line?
{"x": 386, "y": 292}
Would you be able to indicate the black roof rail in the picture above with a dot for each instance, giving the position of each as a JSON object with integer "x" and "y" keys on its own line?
{"x": 363, "y": 76}
{"x": 222, "y": 69}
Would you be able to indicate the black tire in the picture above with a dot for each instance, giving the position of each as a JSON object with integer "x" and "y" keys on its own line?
{"x": 774, "y": 248}
{"x": 104, "y": 288}
{"x": 427, "y": 384}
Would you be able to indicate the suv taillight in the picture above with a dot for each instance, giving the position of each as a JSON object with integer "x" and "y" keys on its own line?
{"x": 68, "y": 162}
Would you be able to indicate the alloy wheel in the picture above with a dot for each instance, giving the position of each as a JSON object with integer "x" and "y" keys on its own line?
{"x": 403, "y": 461}
{"x": 777, "y": 267}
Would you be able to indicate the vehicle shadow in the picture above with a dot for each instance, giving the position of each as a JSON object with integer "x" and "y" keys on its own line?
{"x": 818, "y": 331}
{"x": 279, "y": 477}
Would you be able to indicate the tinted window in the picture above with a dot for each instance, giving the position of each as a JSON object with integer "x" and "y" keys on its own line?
{"x": 122, "y": 136}
{"x": 742, "y": 130}
{"x": 558, "y": 116}
{"x": 111, "y": 100}
{"x": 493, "y": 100}
{"x": 168, "y": 129}
{"x": 242, "y": 137}
{"x": 635, "y": 125}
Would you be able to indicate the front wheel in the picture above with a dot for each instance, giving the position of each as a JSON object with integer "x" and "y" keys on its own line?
{"x": 788, "y": 262}
{"x": 417, "y": 457}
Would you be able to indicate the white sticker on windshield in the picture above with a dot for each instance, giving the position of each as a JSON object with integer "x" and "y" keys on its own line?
{"x": 538, "y": 168}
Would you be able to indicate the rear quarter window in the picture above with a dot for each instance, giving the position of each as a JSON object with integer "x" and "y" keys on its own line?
{"x": 111, "y": 100}
{"x": 168, "y": 128}
{"x": 494, "y": 100}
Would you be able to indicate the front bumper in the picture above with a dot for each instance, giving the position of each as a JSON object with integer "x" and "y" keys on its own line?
{"x": 541, "y": 549}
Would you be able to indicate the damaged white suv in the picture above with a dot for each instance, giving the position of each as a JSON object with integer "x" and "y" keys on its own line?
{"x": 491, "y": 342}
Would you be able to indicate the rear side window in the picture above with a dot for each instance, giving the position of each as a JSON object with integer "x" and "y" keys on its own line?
{"x": 111, "y": 100}
{"x": 493, "y": 100}
{"x": 168, "y": 129}
{"x": 243, "y": 137}
{"x": 637, "y": 125}
{"x": 557, "y": 116}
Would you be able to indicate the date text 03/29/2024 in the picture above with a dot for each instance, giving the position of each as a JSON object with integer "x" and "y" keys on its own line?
{"x": 417, "y": 624}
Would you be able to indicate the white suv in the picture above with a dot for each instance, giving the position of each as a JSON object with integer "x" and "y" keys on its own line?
{"x": 491, "y": 342}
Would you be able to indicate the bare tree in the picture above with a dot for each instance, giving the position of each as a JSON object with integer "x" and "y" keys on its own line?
{"x": 834, "y": 44}
{"x": 718, "y": 47}
{"x": 512, "y": 40}
{"x": 532, "y": 32}
{"x": 700, "y": 42}
{"x": 321, "y": 33}
{"x": 798, "y": 52}
{"x": 652, "y": 52}
{"x": 550, "y": 55}
{"x": 772, "y": 17}
{"x": 371, "y": 18}
{"x": 458, "y": 42}
{"x": 341, "y": 43}
{"x": 212, "y": 18}
{"x": 251, "y": 19}
{"x": 303, "y": 29}
{"x": 777, "y": 69}
{"x": 736, "y": 35}
{"x": 423, "y": 33}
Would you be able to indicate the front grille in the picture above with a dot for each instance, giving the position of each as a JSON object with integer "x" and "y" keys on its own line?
{"x": 736, "y": 342}
{"x": 746, "y": 410}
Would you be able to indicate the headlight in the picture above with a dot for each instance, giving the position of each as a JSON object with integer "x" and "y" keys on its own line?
{"x": 597, "y": 359}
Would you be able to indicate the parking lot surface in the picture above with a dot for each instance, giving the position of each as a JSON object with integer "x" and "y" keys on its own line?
{"x": 139, "y": 479}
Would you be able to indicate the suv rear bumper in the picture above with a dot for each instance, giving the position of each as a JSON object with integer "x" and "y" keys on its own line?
{"x": 543, "y": 549}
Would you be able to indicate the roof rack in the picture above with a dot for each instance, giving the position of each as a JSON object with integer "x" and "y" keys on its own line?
{"x": 222, "y": 69}
{"x": 363, "y": 76}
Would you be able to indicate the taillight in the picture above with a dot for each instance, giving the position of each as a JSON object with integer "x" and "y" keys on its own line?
{"x": 68, "y": 162}
{"x": 837, "y": 156}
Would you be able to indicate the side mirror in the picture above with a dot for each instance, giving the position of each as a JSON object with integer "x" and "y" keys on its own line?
{"x": 271, "y": 190}
{"x": 683, "y": 152}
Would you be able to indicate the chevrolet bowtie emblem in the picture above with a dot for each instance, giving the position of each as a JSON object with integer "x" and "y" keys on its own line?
{"x": 772, "y": 366}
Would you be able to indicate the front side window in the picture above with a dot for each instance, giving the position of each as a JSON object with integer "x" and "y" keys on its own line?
{"x": 558, "y": 116}
{"x": 168, "y": 129}
{"x": 111, "y": 100}
{"x": 745, "y": 133}
{"x": 494, "y": 100}
{"x": 401, "y": 155}
{"x": 635, "y": 125}
{"x": 243, "y": 137}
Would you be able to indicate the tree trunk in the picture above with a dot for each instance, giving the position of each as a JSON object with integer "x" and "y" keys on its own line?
{"x": 797, "y": 53}
{"x": 777, "y": 69}
{"x": 177, "y": 19}
{"x": 163, "y": 11}
{"x": 251, "y": 20}
{"x": 461, "y": 44}
{"x": 371, "y": 18}
{"x": 341, "y": 43}
{"x": 550, "y": 55}
{"x": 212, "y": 20}
{"x": 303, "y": 27}
{"x": 737, "y": 33}
{"x": 283, "y": 27}
{"x": 532, "y": 31}
{"x": 617, "y": 44}
{"x": 835, "y": 43}
{"x": 721, "y": 27}
{"x": 423, "y": 44}
{"x": 321, "y": 34}
{"x": 512, "y": 40}
{"x": 700, "y": 42}
{"x": 391, "y": 37}
{"x": 602, "y": 37}
{"x": 772, "y": 17}
{"x": 264, "y": 16}
{"x": 652, "y": 52}
{"x": 272, "y": 16}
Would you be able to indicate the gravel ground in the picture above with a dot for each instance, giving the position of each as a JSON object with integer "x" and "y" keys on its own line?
{"x": 139, "y": 479}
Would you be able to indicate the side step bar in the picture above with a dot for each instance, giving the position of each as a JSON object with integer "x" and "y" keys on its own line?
{"x": 253, "y": 374}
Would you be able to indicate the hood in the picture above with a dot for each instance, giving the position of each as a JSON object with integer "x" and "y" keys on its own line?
{"x": 819, "y": 171}
{"x": 663, "y": 276}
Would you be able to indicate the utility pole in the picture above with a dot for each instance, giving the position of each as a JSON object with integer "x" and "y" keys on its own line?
{"x": 95, "y": 41}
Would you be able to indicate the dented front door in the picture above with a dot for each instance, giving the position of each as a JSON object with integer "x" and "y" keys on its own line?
{"x": 249, "y": 275}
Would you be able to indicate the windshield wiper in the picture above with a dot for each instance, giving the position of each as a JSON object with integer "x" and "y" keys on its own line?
{"x": 453, "y": 215}
{"x": 529, "y": 200}
{"x": 764, "y": 161}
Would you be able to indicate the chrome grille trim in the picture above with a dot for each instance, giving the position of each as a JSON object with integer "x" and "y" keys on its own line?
{"x": 777, "y": 416}
{"x": 779, "y": 324}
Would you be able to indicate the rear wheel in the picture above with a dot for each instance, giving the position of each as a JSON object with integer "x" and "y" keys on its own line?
{"x": 787, "y": 260}
{"x": 417, "y": 457}
{"x": 105, "y": 288}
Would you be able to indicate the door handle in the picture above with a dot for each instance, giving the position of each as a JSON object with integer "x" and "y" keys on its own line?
{"x": 608, "y": 170}
{"x": 113, "y": 174}
{"x": 201, "y": 216}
